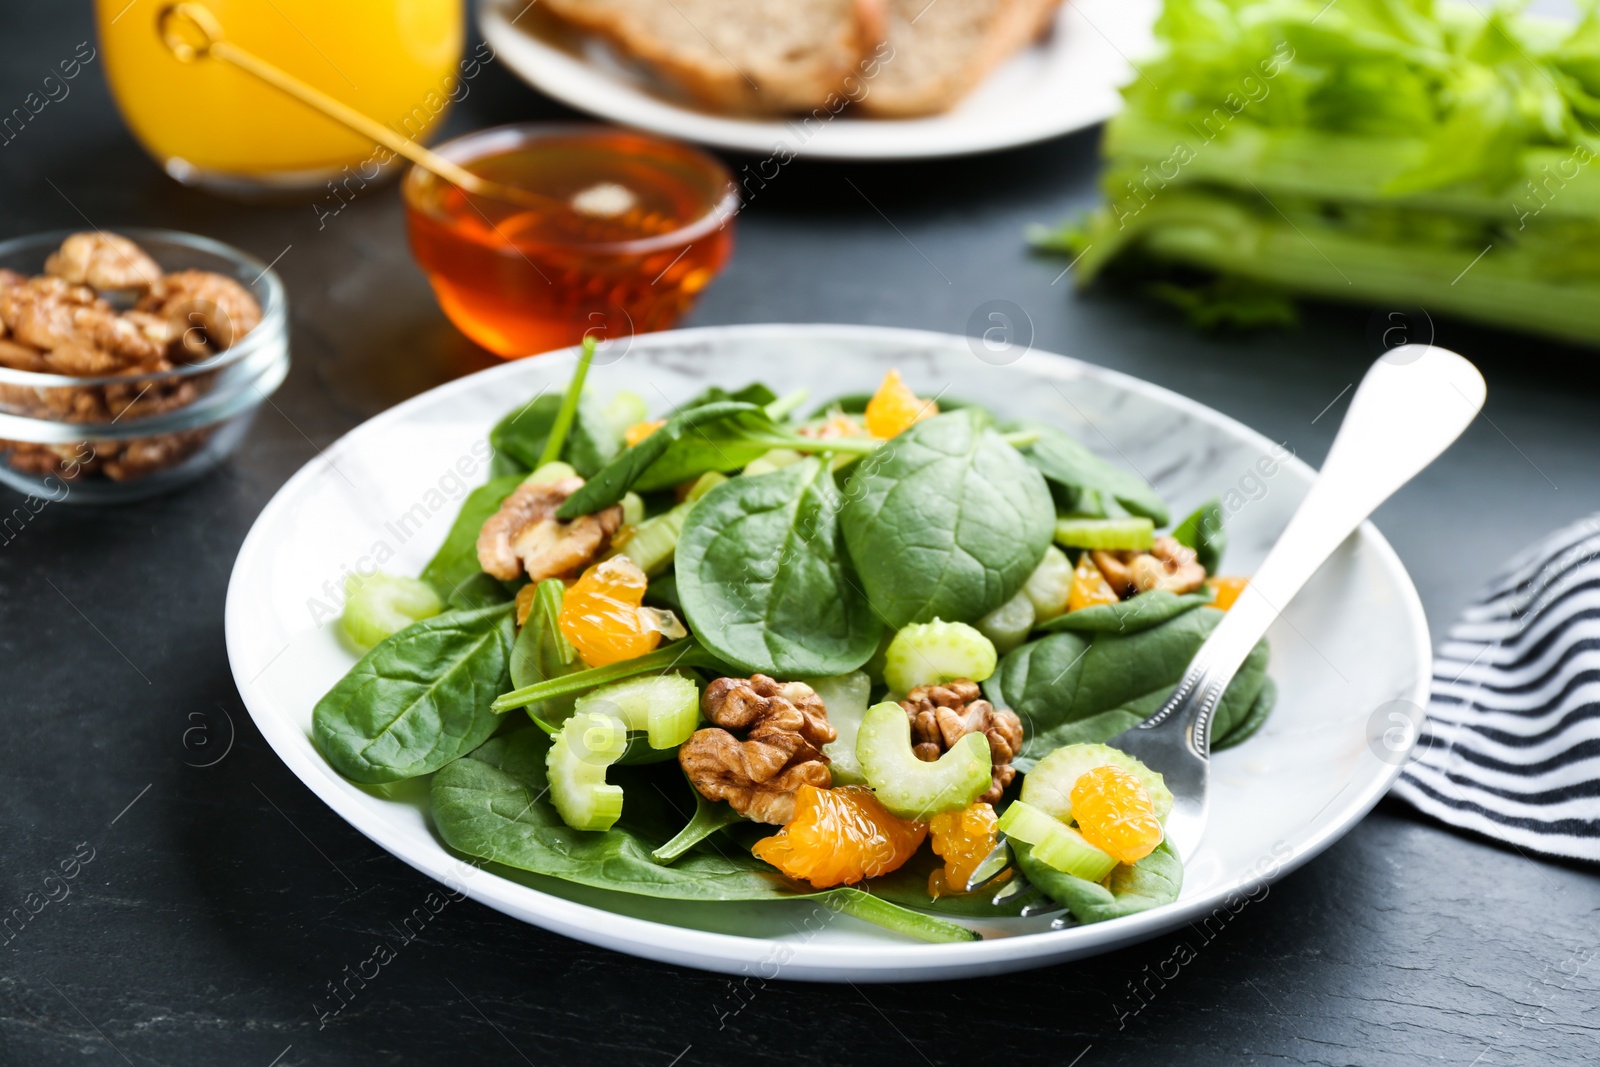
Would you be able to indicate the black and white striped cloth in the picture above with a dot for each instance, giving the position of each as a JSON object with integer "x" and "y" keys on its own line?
{"x": 1511, "y": 745}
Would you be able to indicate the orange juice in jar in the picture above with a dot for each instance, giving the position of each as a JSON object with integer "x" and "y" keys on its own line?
{"x": 211, "y": 125}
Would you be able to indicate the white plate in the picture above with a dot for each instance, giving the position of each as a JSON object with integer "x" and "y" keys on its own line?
{"x": 1066, "y": 81}
{"x": 1352, "y": 641}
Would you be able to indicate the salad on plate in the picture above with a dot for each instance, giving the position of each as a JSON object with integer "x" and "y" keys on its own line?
{"x": 755, "y": 648}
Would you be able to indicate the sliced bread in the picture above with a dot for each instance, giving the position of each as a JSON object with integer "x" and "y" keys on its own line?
{"x": 740, "y": 55}
{"x": 941, "y": 49}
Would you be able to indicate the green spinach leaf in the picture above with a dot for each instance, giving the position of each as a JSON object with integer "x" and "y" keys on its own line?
{"x": 1253, "y": 720}
{"x": 1072, "y": 687}
{"x": 417, "y": 699}
{"x": 763, "y": 580}
{"x": 1127, "y": 616}
{"x": 723, "y": 435}
{"x": 710, "y": 817}
{"x": 495, "y": 804}
{"x": 1150, "y": 883}
{"x": 755, "y": 393}
{"x": 1203, "y": 531}
{"x": 521, "y": 435}
{"x": 1069, "y": 464}
{"x": 456, "y": 562}
{"x": 947, "y": 520}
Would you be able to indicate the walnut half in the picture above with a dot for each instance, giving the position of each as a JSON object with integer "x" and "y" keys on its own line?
{"x": 941, "y": 715}
{"x": 525, "y": 535}
{"x": 785, "y": 727}
{"x": 1168, "y": 565}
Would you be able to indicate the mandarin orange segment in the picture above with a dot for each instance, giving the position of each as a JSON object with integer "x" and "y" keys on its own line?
{"x": 1089, "y": 586}
{"x": 963, "y": 838}
{"x": 1226, "y": 591}
{"x": 840, "y": 836}
{"x": 894, "y": 408}
{"x": 640, "y": 430}
{"x": 600, "y": 614}
{"x": 1115, "y": 814}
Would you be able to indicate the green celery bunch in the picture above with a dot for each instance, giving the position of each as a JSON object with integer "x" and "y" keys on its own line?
{"x": 1369, "y": 150}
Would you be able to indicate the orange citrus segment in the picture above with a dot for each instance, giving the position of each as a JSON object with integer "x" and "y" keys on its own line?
{"x": 640, "y": 430}
{"x": 963, "y": 838}
{"x": 1226, "y": 591}
{"x": 1089, "y": 586}
{"x": 600, "y": 614}
{"x": 840, "y": 836}
{"x": 894, "y": 408}
{"x": 1115, "y": 814}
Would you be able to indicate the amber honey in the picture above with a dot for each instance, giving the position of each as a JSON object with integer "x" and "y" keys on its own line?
{"x": 635, "y": 229}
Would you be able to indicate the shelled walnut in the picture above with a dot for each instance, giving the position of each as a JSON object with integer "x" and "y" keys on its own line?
{"x": 941, "y": 715}
{"x": 62, "y": 323}
{"x": 785, "y": 726}
{"x": 1167, "y": 565}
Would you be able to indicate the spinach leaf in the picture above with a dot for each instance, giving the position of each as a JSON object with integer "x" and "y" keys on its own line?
{"x": 629, "y": 468}
{"x": 946, "y": 520}
{"x": 417, "y": 699}
{"x": 1069, "y": 464}
{"x": 1150, "y": 883}
{"x": 495, "y": 804}
{"x": 723, "y": 435}
{"x": 456, "y": 562}
{"x": 522, "y": 434}
{"x": 763, "y": 579}
{"x": 1072, "y": 687}
{"x": 1203, "y": 531}
{"x": 1127, "y": 616}
{"x": 710, "y": 816}
{"x": 755, "y": 393}
{"x": 1253, "y": 720}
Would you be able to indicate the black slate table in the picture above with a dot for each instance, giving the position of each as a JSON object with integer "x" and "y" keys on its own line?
{"x": 215, "y": 904}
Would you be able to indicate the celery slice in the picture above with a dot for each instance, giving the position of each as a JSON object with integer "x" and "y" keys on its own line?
{"x": 1129, "y": 534}
{"x": 1054, "y": 842}
{"x": 908, "y": 786}
{"x": 623, "y": 410}
{"x": 1048, "y": 786}
{"x": 580, "y": 752}
{"x": 382, "y": 605}
{"x": 666, "y": 707}
{"x": 1008, "y": 625}
{"x": 931, "y": 653}
{"x": 1049, "y": 587}
{"x": 845, "y": 697}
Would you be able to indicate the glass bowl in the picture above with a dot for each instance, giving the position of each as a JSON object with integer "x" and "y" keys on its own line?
{"x": 520, "y": 281}
{"x": 122, "y": 437}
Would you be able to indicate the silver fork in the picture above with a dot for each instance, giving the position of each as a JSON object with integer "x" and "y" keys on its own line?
{"x": 1412, "y": 403}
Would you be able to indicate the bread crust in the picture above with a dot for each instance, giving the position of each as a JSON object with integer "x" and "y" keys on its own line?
{"x": 724, "y": 86}
{"x": 1018, "y": 24}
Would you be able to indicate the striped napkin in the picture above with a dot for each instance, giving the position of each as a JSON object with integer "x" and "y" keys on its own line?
{"x": 1511, "y": 744}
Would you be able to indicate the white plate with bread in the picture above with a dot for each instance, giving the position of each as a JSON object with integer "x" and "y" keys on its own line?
{"x": 830, "y": 79}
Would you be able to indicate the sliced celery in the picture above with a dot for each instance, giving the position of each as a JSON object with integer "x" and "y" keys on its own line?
{"x": 845, "y": 697}
{"x": 1048, "y": 786}
{"x": 1127, "y": 534}
{"x": 1050, "y": 585}
{"x": 908, "y": 786}
{"x": 382, "y": 605}
{"x": 666, "y": 707}
{"x": 931, "y": 653}
{"x": 1008, "y": 625}
{"x": 580, "y": 752}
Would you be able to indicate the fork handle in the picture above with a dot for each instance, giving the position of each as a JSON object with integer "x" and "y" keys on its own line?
{"x": 1412, "y": 403}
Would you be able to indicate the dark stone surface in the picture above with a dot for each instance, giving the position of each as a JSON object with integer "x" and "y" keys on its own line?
{"x": 221, "y": 900}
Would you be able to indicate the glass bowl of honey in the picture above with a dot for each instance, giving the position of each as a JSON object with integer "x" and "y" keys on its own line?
{"x": 629, "y": 231}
